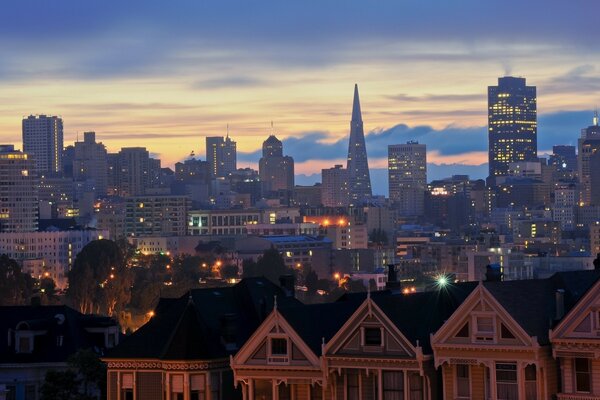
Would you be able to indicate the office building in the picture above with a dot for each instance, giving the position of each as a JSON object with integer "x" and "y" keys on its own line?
{"x": 512, "y": 124}
{"x": 18, "y": 191}
{"x": 156, "y": 215}
{"x": 132, "y": 172}
{"x": 588, "y": 145}
{"x": 359, "y": 179}
{"x": 221, "y": 155}
{"x": 407, "y": 177}
{"x": 90, "y": 163}
{"x": 334, "y": 187}
{"x": 43, "y": 141}
{"x": 276, "y": 171}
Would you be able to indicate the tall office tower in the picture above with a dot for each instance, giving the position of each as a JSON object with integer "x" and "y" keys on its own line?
{"x": 133, "y": 173}
{"x": 334, "y": 187}
{"x": 588, "y": 145}
{"x": 90, "y": 163}
{"x": 512, "y": 124}
{"x": 221, "y": 155}
{"x": 563, "y": 161}
{"x": 407, "y": 177}
{"x": 359, "y": 180}
{"x": 275, "y": 170}
{"x": 18, "y": 191}
{"x": 43, "y": 141}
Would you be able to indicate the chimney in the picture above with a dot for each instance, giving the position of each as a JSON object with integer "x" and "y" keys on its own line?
{"x": 559, "y": 299}
{"x": 287, "y": 283}
{"x": 392, "y": 283}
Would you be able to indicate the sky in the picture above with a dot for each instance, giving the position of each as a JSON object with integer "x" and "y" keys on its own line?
{"x": 166, "y": 74}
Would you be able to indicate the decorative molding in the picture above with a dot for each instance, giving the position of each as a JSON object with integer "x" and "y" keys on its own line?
{"x": 166, "y": 365}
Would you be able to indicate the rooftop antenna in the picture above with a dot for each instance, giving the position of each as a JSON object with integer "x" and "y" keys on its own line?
{"x": 272, "y": 130}
{"x": 228, "y": 131}
{"x": 595, "y": 119}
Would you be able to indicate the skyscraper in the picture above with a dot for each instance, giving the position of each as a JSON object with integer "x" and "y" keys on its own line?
{"x": 512, "y": 124}
{"x": 588, "y": 148}
{"x": 407, "y": 177}
{"x": 43, "y": 141}
{"x": 90, "y": 163}
{"x": 359, "y": 180}
{"x": 221, "y": 155}
{"x": 334, "y": 188}
{"x": 18, "y": 191}
{"x": 275, "y": 170}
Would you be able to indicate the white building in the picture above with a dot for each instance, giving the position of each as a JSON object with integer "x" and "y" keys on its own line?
{"x": 55, "y": 249}
{"x": 334, "y": 187}
{"x": 43, "y": 141}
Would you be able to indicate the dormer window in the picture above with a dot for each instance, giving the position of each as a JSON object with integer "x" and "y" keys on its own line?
{"x": 485, "y": 328}
{"x": 278, "y": 350}
{"x": 372, "y": 336}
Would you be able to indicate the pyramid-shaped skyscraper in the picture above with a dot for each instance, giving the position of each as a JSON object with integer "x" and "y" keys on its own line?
{"x": 359, "y": 179}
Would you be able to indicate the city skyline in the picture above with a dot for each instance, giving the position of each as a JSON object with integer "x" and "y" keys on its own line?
{"x": 159, "y": 76}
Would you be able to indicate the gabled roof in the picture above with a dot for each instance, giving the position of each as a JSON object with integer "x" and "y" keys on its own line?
{"x": 532, "y": 303}
{"x": 190, "y": 327}
{"x": 54, "y": 321}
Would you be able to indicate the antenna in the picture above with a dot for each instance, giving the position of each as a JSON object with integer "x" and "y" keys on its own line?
{"x": 272, "y": 128}
{"x": 228, "y": 130}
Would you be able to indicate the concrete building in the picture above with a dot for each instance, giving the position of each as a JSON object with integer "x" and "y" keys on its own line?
{"x": 347, "y": 236}
{"x": 57, "y": 249}
{"x": 334, "y": 187}
{"x": 407, "y": 174}
{"x": 588, "y": 145}
{"x": 132, "y": 172}
{"x": 90, "y": 163}
{"x": 18, "y": 191}
{"x": 221, "y": 156}
{"x": 156, "y": 215}
{"x": 43, "y": 141}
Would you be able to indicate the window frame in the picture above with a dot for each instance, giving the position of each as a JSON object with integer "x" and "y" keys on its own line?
{"x": 364, "y": 336}
{"x": 467, "y": 377}
{"x": 274, "y": 358}
{"x": 484, "y": 336}
{"x": 588, "y": 373}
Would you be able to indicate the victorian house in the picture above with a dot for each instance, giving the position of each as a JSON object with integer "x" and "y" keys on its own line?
{"x": 576, "y": 347}
{"x": 496, "y": 345}
{"x": 361, "y": 347}
{"x": 183, "y": 352}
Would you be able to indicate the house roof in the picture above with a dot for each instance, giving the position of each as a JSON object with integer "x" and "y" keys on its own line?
{"x": 52, "y": 322}
{"x": 192, "y": 326}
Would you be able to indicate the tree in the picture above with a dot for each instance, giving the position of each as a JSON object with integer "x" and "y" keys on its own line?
{"x": 16, "y": 287}
{"x": 311, "y": 280}
{"x": 270, "y": 265}
{"x": 100, "y": 281}
{"x": 48, "y": 286}
{"x": 92, "y": 372}
{"x": 60, "y": 385}
{"x": 230, "y": 271}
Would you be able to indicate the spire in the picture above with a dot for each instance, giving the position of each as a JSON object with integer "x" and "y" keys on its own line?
{"x": 595, "y": 119}
{"x": 227, "y": 131}
{"x": 356, "y": 114}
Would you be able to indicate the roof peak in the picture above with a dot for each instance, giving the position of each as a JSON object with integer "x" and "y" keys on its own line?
{"x": 356, "y": 113}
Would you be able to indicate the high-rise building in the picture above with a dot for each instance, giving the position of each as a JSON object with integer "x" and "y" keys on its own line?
{"x": 131, "y": 171}
{"x": 407, "y": 177}
{"x": 334, "y": 187}
{"x": 588, "y": 145}
{"x": 359, "y": 179}
{"x": 43, "y": 141}
{"x": 512, "y": 124}
{"x": 90, "y": 163}
{"x": 275, "y": 170}
{"x": 221, "y": 155}
{"x": 18, "y": 191}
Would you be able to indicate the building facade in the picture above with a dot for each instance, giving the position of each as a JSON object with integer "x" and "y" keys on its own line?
{"x": 512, "y": 124}
{"x": 334, "y": 187}
{"x": 90, "y": 163}
{"x": 18, "y": 191}
{"x": 43, "y": 141}
{"x": 156, "y": 215}
{"x": 221, "y": 156}
{"x": 359, "y": 178}
{"x": 276, "y": 171}
{"x": 407, "y": 177}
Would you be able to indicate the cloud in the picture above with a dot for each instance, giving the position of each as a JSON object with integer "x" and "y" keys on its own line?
{"x": 229, "y": 82}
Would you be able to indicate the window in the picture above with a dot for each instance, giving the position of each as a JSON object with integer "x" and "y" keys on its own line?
{"x": 506, "y": 382}
{"x": 463, "y": 384}
{"x": 484, "y": 328}
{"x": 393, "y": 385}
{"x": 215, "y": 386}
{"x": 582, "y": 375}
{"x": 352, "y": 386}
{"x": 197, "y": 387}
{"x": 127, "y": 387}
{"x": 372, "y": 336}
{"x": 415, "y": 384}
{"x": 24, "y": 344}
{"x": 176, "y": 387}
{"x": 279, "y": 347}
{"x": 530, "y": 382}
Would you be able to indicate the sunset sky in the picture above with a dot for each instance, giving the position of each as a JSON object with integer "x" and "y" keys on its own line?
{"x": 165, "y": 74}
